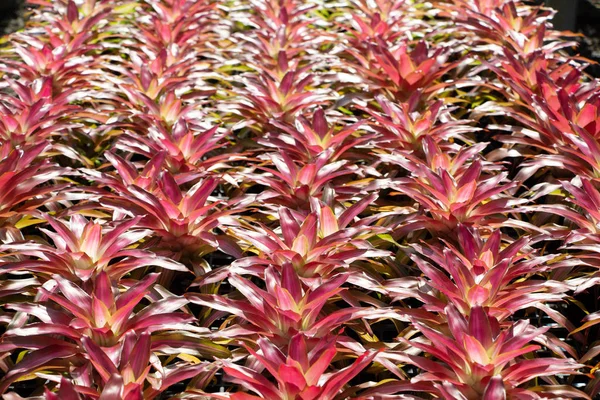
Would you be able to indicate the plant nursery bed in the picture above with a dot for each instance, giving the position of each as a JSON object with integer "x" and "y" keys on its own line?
{"x": 298, "y": 200}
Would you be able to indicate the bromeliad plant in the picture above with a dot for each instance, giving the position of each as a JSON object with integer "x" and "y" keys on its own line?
{"x": 481, "y": 358}
{"x": 84, "y": 249}
{"x": 400, "y": 71}
{"x": 307, "y": 140}
{"x": 287, "y": 307}
{"x": 129, "y": 378}
{"x": 401, "y": 127}
{"x": 35, "y": 115}
{"x": 300, "y": 373}
{"x": 451, "y": 189}
{"x": 487, "y": 273}
{"x": 315, "y": 245}
{"x": 293, "y": 184}
{"x": 27, "y": 183}
{"x": 93, "y": 337}
{"x": 182, "y": 221}
{"x": 189, "y": 148}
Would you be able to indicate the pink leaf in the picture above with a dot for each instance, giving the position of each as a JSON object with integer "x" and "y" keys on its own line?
{"x": 479, "y": 326}
{"x": 320, "y": 123}
{"x": 328, "y": 222}
{"x": 113, "y": 390}
{"x": 495, "y": 389}
{"x": 102, "y": 363}
{"x": 34, "y": 361}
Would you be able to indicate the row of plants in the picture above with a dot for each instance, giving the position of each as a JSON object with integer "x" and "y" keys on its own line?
{"x": 286, "y": 199}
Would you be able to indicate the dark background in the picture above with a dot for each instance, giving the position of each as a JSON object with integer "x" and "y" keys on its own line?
{"x": 582, "y": 16}
{"x": 11, "y": 15}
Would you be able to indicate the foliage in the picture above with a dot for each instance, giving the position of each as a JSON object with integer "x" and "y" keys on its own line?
{"x": 281, "y": 199}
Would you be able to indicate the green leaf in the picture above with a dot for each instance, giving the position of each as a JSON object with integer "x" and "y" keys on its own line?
{"x": 28, "y": 221}
{"x": 126, "y": 8}
{"x": 387, "y": 238}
